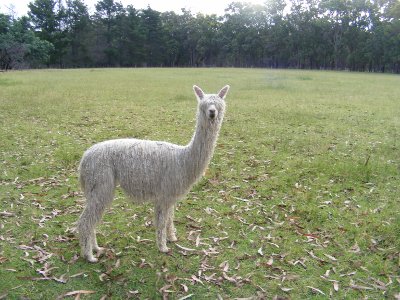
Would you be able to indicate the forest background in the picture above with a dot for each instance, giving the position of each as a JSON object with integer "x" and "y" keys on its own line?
{"x": 359, "y": 35}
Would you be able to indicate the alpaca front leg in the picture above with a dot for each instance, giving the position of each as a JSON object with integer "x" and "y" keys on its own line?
{"x": 161, "y": 227}
{"x": 171, "y": 231}
{"x": 96, "y": 247}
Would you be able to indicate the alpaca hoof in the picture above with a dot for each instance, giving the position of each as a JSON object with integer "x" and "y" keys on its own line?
{"x": 172, "y": 238}
{"x": 164, "y": 249}
{"x": 92, "y": 259}
{"x": 99, "y": 250}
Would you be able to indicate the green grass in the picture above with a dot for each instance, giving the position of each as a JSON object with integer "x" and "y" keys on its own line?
{"x": 303, "y": 190}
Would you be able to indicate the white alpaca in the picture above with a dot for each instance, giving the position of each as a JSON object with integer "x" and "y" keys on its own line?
{"x": 148, "y": 171}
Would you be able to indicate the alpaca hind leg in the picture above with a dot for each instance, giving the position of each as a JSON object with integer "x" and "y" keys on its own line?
{"x": 161, "y": 217}
{"x": 87, "y": 234}
{"x": 171, "y": 231}
{"x": 97, "y": 201}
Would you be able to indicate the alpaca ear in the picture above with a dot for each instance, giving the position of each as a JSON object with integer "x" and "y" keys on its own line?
{"x": 198, "y": 92}
{"x": 222, "y": 93}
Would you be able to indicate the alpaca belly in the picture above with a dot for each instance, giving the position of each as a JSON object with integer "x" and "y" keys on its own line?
{"x": 139, "y": 188}
{"x": 139, "y": 194}
{"x": 148, "y": 192}
{"x": 147, "y": 189}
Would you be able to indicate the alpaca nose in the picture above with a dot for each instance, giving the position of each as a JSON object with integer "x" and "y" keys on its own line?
{"x": 212, "y": 113}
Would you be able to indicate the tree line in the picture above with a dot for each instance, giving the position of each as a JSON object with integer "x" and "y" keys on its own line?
{"x": 358, "y": 35}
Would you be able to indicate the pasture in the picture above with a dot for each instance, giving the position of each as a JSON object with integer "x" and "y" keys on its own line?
{"x": 300, "y": 201}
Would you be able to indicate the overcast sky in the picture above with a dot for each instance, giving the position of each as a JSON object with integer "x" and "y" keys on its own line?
{"x": 203, "y": 6}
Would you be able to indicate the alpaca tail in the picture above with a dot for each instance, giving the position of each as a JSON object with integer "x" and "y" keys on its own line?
{"x": 81, "y": 179}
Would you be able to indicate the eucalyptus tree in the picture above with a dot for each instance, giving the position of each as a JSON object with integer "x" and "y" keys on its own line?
{"x": 19, "y": 47}
{"x": 176, "y": 37}
{"x": 107, "y": 20}
{"x": 242, "y": 32}
{"x": 48, "y": 19}
{"x": 154, "y": 38}
{"x": 78, "y": 27}
{"x": 132, "y": 39}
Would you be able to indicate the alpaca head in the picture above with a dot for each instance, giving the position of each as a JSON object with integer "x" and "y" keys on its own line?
{"x": 211, "y": 106}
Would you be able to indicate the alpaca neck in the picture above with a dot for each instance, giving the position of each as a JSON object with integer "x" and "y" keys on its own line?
{"x": 201, "y": 148}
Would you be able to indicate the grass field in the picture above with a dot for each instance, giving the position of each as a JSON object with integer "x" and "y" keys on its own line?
{"x": 301, "y": 199}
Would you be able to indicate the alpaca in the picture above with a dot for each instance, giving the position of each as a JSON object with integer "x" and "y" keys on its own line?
{"x": 160, "y": 172}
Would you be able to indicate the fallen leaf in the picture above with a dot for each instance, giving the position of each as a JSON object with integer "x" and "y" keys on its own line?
{"x": 191, "y": 218}
{"x": 309, "y": 235}
{"x": 60, "y": 279}
{"x": 273, "y": 244}
{"x": 230, "y": 279}
{"x": 33, "y": 278}
{"x": 75, "y": 293}
{"x": 31, "y": 261}
{"x": 209, "y": 210}
{"x": 301, "y": 263}
{"x": 76, "y": 275}
{"x": 316, "y": 290}
{"x": 291, "y": 277}
{"x": 327, "y": 273}
{"x": 198, "y": 240}
{"x": 186, "y": 297}
{"x": 360, "y": 287}
{"x": 140, "y": 240}
{"x": 45, "y": 271}
{"x": 6, "y": 214}
{"x": 260, "y": 251}
{"x": 135, "y": 292}
{"x": 209, "y": 278}
{"x": 210, "y": 251}
{"x": 355, "y": 248}
{"x": 25, "y": 247}
{"x": 224, "y": 266}
{"x": 165, "y": 289}
{"x": 330, "y": 257}
{"x": 184, "y": 287}
{"x": 379, "y": 284}
{"x": 314, "y": 256}
{"x": 102, "y": 277}
{"x": 73, "y": 259}
{"x": 348, "y": 274}
{"x": 336, "y": 286}
{"x": 241, "y": 199}
{"x": 195, "y": 279}
{"x": 270, "y": 261}
{"x": 143, "y": 264}
{"x": 185, "y": 248}
{"x": 117, "y": 264}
